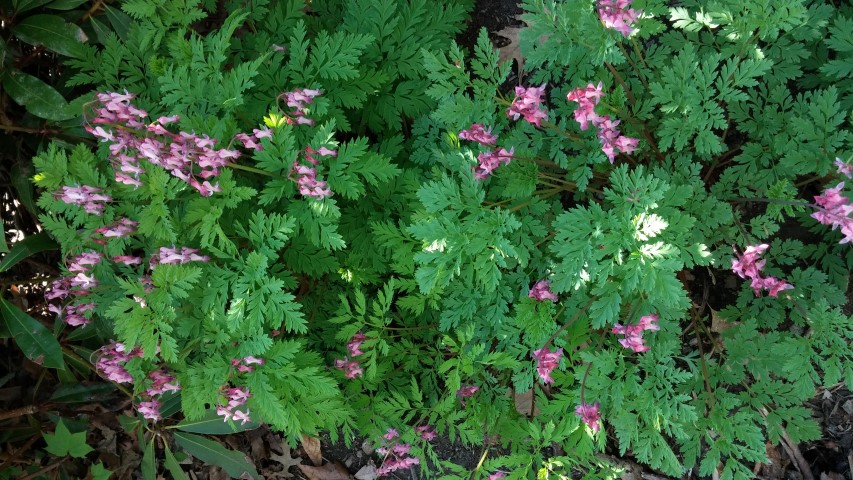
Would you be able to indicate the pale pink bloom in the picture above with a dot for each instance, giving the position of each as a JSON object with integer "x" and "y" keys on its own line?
{"x": 615, "y": 14}
{"x": 541, "y": 291}
{"x": 467, "y": 391}
{"x": 476, "y": 133}
{"x": 241, "y": 416}
{"x": 162, "y": 382}
{"x": 149, "y": 409}
{"x": 354, "y": 344}
{"x": 844, "y": 168}
{"x": 497, "y": 476}
{"x": 84, "y": 281}
{"x": 128, "y": 259}
{"x": 351, "y": 368}
{"x": 391, "y": 434}
{"x": 527, "y": 104}
{"x": 394, "y": 464}
{"x": 546, "y": 362}
{"x": 589, "y": 414}
{"x": 490, "y": 161}
{"x": 84, "y": 261}
{"x": 427, "y": 432}
{"x": 748, "y": 264}
{"x": 835, "y": 210}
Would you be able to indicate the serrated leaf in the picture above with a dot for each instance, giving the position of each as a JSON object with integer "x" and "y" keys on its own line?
{"x": 52, "y": 32}
{"x": 39, "y": 98}
{"x": 234, "y": 463}
{"x": 64, "y": 443}
{"x": 36, "y": 341}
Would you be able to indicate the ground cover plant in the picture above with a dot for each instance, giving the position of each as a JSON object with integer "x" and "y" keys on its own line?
{"x": 327, "y": 217}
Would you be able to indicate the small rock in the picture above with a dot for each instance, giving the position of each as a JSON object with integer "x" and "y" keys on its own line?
{"x": 367, "y": 447}
{"x": 848, "y": 407}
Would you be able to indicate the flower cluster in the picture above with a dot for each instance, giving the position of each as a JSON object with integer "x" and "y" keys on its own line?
{"x": 541, "y": 291}
{"x": 352, "y": 368}
{"x": 111, "y": 360}
{"x": 87, "y": 197}
{"x": 186, "y": 156}
{"x": 835, "y": 210}
{"x": 589, "y": 415}
{"x": 161, "y": 382}
{"x": 547, "y": 361}
{"x": 306, "y": 177}
{"x": 465, "y": 392}
{"x": 244, "y": 365}
{"x": 634, "y": 333}
{"x": 120, "y": 229}
{"x": 844, "y": 168}
{"x": 527, "y": 104}
{"x": 299, "y": 100}
{"x": 253, "y": 141}
{"x": 617, "y": 15}
{"x": 497, "y": 475}
{"x": 396, "y": 455}
{"x": 234, "y": 397}
{"x": 80, "y": 284}
{"x": 611, "y": 140}
{"x": 489, "y": 161}
{"x": 175, "y": 255}
{"x": 749, "y": 266}
{"x": 427, "y": 432}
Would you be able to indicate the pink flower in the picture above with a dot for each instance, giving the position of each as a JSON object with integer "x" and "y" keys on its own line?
{"x": 497, "y": 476}
{"x": 119, "y": 229}
{"x": 527, "y": 104}
{"x": 476, "y": 133}
{"x": 128, "y": 259}
{"x": 634, "y": 333}
{"x": 589, "y": 414}
{"x": 427, "y": 432}
{"x": 391, "y": 434}
{"x": 351, "y": 368}
{"x": 354, "y": 344}
{"x": 241, "y": 416}
{"x": 546, "y": 362}
{"x": 85, "y": 196}
{"x": 748, "y": 265}
{"x": 235, "y": 397}
{"x": 490, "y": 161}
{"x": 174, "y": 255}
{"x": 83, "y": 262}
{"x": 615, "y": 14}
{"x": 149, "y": 409}
{"x": 299, "y": 100}
{"x": 844, "y": 168}
{"x": 467, "y": 391}
{"x": 162, "y": 382}
{"x": 835, "y": 210}
{"x": 541, "y": 291}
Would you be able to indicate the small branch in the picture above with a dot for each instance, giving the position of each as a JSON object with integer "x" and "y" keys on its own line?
{"x": 18, "y": 412}
{"x": 792, "y": 450}
{"x": 45, "y": 469}
{"x": 96, "y": 5}
{"x": 571, "y": 320}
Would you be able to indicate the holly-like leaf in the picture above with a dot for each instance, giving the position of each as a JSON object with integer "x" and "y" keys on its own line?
{"x": 64, "y": 443}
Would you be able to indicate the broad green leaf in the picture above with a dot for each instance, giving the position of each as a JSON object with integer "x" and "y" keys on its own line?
{"x": 21, "y": 176}
{"x": 211, "y": 423}
{"x": 4, "y": 247}
{"x": 66, "y": 4}
{"x": 119, "y": 20}
{"x": 39, "y": 98}
{"x": 149, "y": 462}
{"x": 64, "y": 443}
{"x": 53, "y": 33}
{"x": 27, "y": 247}
{"x": 100, "y": 472}
{"x": 173, "y": 466}
{"x": 234, "y": 463}
{"x": 20, "y": 6}
{"x": 81, "y": 393}
{"x": 36, "y": 341}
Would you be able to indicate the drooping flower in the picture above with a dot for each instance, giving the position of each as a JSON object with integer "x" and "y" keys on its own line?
{"x": 234, "y": 397}
{"x": 427, "y": 432}
{"x": 149, "y": 409}
{"x": 354, "y": 345}
{"x": 749, "y": 265}
{"x": 490, "y": 161}
{"x": 546, "y": 362}
{"x": 611, "y": 140}
{"x": 467, "y": 391}
{"x": 162, "y": 382}
{"x": 844, "y": 168}
{"x": 85, "y": 196}
{"x": 633, "y": 339}
{"x": 477, "y": 133}
{"x": 527, "y": 104}
{"x": 617, "y": 15}
{"x": 589, "y": 415}
{"x": 351, "y": 368}
{"x": 497, "y": 475}
{"x": 835, "y": 209}
{"x": 395, "y": 454}
{"x": 541, "y": 291}
{"x": 176, "y": 256}
{"x": 122, "y": 228}
{"x": 111, "y": 360}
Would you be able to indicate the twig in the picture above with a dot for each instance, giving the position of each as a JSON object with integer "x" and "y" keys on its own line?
{"x": 792, "y": 450}
{"x": 44, "y": 470}
{"x": 18, "y": 412}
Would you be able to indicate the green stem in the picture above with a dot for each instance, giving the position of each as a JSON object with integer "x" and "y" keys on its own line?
{"x": 246, "y": 168}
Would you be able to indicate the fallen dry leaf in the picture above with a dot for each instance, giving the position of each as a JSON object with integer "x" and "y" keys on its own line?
{"x": 718, "y": 323}
{"x": 524, "y": 403}
{"x": 286, "y": 460}
{"x": 329, "y": 471}
{"x": 512, "y": 50}
{"x": 311, "y": 446}
{"x": 367, "y": 472}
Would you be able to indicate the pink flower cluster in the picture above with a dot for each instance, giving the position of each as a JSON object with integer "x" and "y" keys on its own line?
{"x": 395, "y": 455}
{"x": 634, "y": 333}
{"x": 161, "y": 382}
{"x": 488, "y": 161}
{"x": 352, "y": 368}
{"x": 87, "y": 197}
{"x": 844, "y": 168}
{"x": 527, "y": 104}
{"x": 546, "y": 362}
{"x": 244, "y": 365}
{"x": 299, "y": 100}
{"x": 306, "y": 177}
{"x": 589, "y": 415}
{"x": 497, "y": 475}
{"x": 465, "y": 392}
{"x": 253, "y": 141}
{"x": 749, "y": 266}
{"x": 111, "y": 360}
{"x": 427, "y": 432}
{"x": 80, "y": 284}
{"x": 541, "y": 291}
{"x": 835, "y": 210}
{"x": 617, "y": 15}
{"x": 235, "y": 397}
{"x": 186, "y": 156}
{"x": 120, "y": 229}
{"x": 611, "y": 140}
{"x": 175, "y": 255}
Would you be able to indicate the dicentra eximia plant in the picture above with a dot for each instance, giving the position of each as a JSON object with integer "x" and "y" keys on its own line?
{"x": 421, "y": 250}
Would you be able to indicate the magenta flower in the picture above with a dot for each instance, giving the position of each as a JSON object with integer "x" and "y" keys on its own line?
{"x": 476, "y": 133}
{"x": 589, "y": 415}
{"x": 174, "y": 255}
{"x": 844, "y": 168}
{"x": 490, "y": 161}
{"x": 633, "y": 339}
{"x": 84, "y": 261}
{"x": 835, "y": 210}
{"x": 112, "y": 357}
{"x": 351, "y": 368}
{"x": 391, "y": 434}
{"x": 527, "y": 104}
{"x": 299, "y": 100}
{"x": 306, "y": 177}
{"x": 354, "y": 345}
{"x": 85, "y": 196}
{"x": 162, "y": 382}
{"x": 235, "y": 397}
{"x": 119, "y": 229}
{"x": 497, "y": 475}
{"x": 128, "y": 259}
{"x": 615, "y": 14}
{"x": 541, "y": 291}
{"x": 749, "y": 265}
{"x": 467, "y": 391}
{"x": 149, "y": 409}
{"x": 427, "y": 432}
{"x": 546, "y": 362}
{"x": 609, "y": 136}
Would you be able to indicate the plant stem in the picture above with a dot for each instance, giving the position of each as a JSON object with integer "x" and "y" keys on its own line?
{"x": 246, "y": 168}
{"x": 571, "y": 320}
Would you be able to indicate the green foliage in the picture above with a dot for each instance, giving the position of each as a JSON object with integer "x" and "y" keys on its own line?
{"x": 62, "y": 442}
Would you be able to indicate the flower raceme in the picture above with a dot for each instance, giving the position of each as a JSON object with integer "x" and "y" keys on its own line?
{"x": 589, "y": 415}
{"x": 527, "y": 104}
{"x": 749, "y": 265}
{"x": 835, "y": 210}
{"x": 352, "y": 368}
{"x": 489, "y": 161}
{"x": 541, "y": 291}
{"x": 609, "y": 136}
{"x": 546, "y": 362}
{"x": 633, "y": 339}
{"x": 617, "y": 15}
